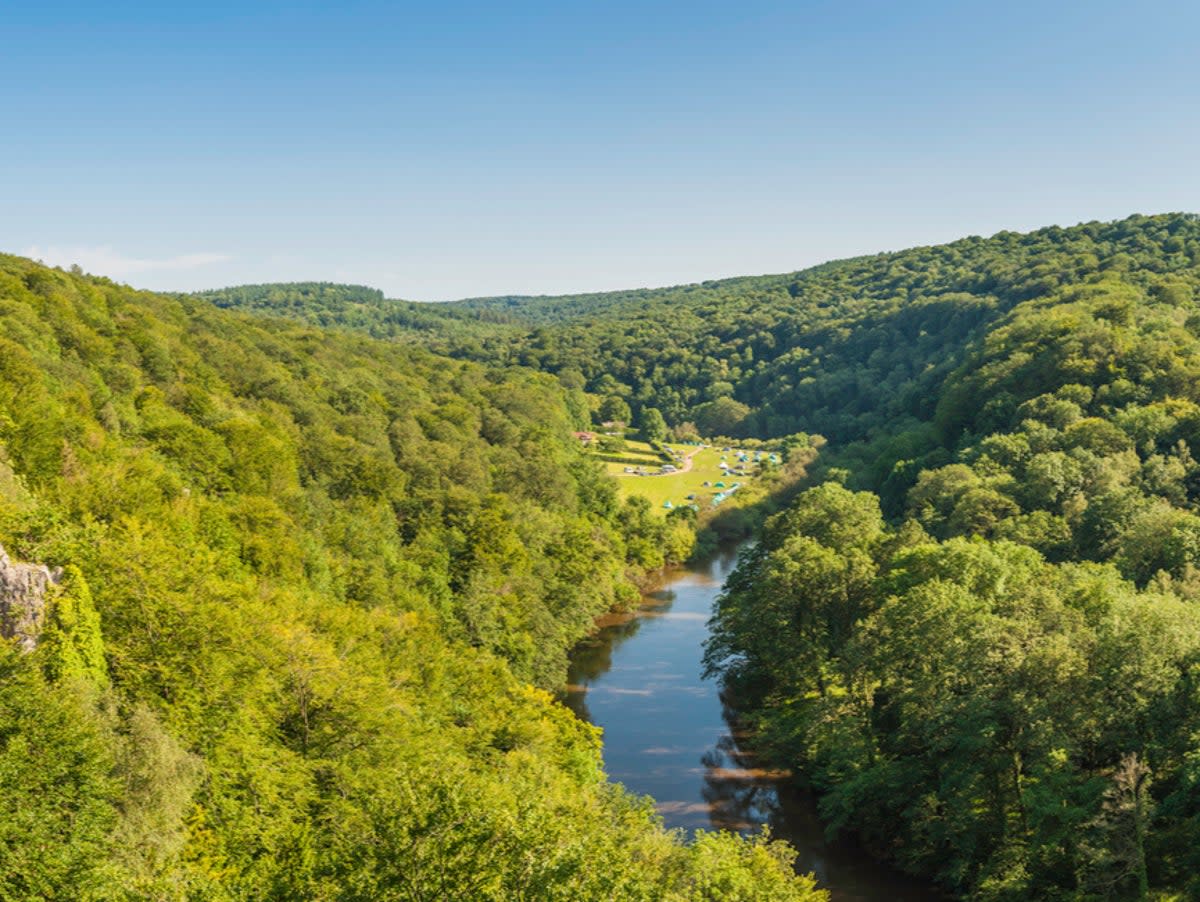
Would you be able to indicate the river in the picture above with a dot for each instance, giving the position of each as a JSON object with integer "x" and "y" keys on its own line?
{"x": 666, "y": 736}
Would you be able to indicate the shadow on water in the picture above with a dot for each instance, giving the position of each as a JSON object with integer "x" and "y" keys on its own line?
{"x": 668, "y": 735}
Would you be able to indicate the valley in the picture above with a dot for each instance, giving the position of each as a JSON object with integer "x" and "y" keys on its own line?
{"x": 323, "y": 562}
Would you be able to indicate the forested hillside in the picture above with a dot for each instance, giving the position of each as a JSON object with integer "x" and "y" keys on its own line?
{"x": 852, "y": 350}
{"x": 361, "y": 309}
{"x": 314, "y": 588}
{"x": 989, "y": 669}
{"x": 310, "y": 298}
{"x": 985, "y": 660}
{"x": 977, "y": 637}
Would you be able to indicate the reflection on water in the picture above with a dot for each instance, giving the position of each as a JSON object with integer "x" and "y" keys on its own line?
{"x": 739, "y": 795}
{"x": 667, "y": 735}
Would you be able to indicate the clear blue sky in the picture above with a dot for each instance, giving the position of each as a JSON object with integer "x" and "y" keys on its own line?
{"x": 450, "y": 149}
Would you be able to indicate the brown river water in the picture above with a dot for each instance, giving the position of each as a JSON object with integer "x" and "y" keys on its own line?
{"x": 667, "y": 735}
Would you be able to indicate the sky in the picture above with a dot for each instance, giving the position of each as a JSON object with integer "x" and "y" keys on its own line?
{"x": 456, "y": 149}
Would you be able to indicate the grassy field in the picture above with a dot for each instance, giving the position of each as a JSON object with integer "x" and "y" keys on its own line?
{"x": 635, "y": 454}
{"x": 676, "y": 487}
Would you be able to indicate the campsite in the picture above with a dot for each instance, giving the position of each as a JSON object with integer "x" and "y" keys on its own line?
{"x": 704, "y": 476}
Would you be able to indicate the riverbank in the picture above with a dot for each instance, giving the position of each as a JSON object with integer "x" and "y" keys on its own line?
{"x": 668, "y": 734}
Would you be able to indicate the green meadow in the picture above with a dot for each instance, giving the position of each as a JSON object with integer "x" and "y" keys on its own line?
{"x": 699, "y": 482}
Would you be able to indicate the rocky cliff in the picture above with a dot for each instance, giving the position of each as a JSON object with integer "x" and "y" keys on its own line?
{"x": 23, "y": 589}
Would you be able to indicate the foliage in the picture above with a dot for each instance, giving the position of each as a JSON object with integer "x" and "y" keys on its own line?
{"x": 59, "y": 793}
{"x": 856, "y": 350}
{"x": 311, "y": 582}
{"x": 329, "y": 567}
{"x": 71, "y": 644}
{"x": 652, "y": 425}
{"x": 965, "y": 706}
{"x": 995, "y": 685}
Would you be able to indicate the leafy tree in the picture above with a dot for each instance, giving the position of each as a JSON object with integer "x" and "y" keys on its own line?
{"x": 59, "y": 811}
{"x": 614, "y": 409}
{"x": 724, "y": 416}
{"x": 71, "y": 644}
{"x": 652, "y": 425}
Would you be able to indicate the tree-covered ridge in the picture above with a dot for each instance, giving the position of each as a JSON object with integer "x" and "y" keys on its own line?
{"x": 311, "y": 580}
{"x": 279, "y": 297}
{"x": 996, "y": 684}
{"x": 852, "y": 350}
{"x": 356, "y": 307}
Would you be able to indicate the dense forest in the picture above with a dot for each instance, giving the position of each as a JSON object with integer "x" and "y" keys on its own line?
{"x": 854, "y": 350}
{"x": 311, "y": 592}
{"x": 324, "y": 555}
{"x": 977, "y": 635}
{"x": 988, "y": 669}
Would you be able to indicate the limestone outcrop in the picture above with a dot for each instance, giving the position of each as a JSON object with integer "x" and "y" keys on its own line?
{"x": 23, "y": 590}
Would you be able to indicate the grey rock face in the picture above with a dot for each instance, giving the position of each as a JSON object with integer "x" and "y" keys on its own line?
{"x": 23, "y": 589}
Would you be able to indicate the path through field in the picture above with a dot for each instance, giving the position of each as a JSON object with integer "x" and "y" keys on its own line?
{"x": 687, "y": 464}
